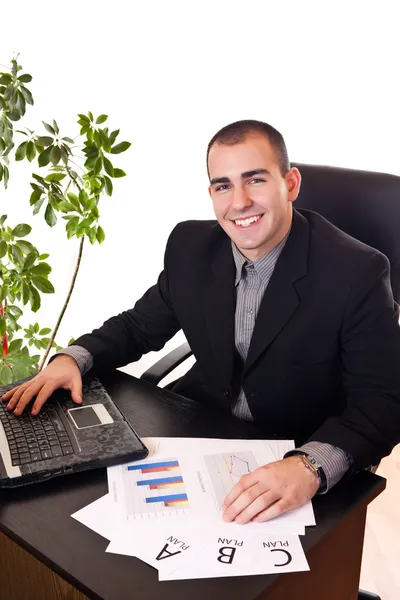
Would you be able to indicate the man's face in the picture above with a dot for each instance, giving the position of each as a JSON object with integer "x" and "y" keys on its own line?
{"x": 252, "y": 200}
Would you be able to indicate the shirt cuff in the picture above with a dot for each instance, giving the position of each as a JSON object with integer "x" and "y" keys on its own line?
{"x": 334, "y": 461}
{"x": 81, "y": 356}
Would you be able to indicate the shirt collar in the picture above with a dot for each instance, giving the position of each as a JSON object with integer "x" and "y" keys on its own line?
{"x": 264, "y": 266}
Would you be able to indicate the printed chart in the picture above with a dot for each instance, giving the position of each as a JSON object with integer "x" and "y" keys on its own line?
{"x": 225, "y": 470}
{"x": 155, "y": 487}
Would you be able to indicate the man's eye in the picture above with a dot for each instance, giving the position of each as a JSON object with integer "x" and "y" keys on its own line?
{"x": 256, "y": 180}
{"x": 222, "y": 187}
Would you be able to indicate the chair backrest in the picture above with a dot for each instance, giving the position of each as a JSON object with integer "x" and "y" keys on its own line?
{"x": 364, "y": 204}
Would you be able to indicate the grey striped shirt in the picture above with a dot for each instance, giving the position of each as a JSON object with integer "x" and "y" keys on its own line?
{"x": 251, "y": 282}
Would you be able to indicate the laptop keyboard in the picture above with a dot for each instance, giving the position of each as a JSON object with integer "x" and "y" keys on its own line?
{"x": 31, "y": 439}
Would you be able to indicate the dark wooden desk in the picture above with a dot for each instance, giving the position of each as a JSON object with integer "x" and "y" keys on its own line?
{"x": 46, "y": 555}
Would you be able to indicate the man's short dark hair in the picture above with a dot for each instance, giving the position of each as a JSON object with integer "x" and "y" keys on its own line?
{"x": 237, "y": 132}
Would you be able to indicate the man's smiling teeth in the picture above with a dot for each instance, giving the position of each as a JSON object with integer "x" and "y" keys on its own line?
{"x": 247, "y": 222}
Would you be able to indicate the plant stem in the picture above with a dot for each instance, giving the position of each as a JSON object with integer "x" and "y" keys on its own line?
{"x": 64, "y": 308}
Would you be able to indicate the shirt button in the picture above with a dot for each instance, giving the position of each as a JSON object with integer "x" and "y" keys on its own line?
{"x": 250, "y": 311}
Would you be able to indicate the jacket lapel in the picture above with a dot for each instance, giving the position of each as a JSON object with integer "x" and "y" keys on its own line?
{"x": 281, "y": 299}
{"x": 219, "y": 307}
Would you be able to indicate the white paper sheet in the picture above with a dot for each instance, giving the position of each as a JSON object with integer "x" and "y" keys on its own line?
{"x": 245, "y": 555}
{"x": 96, "y": 516}
{"x": 202, "y": 481}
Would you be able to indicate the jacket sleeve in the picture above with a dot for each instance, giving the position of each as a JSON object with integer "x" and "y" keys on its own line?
{"x": 126, "y": 337}
{"x": 369, "y": 427}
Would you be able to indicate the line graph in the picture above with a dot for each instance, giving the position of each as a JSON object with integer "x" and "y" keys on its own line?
{"x": 225, "y": 470}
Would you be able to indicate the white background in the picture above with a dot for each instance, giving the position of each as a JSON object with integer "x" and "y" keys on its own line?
{"x": 170, "y": 74}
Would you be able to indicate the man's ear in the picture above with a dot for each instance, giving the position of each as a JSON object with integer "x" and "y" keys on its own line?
{"x": 293, "y": 183}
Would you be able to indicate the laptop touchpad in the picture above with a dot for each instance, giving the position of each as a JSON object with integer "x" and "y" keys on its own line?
{"x": 90, "y": 416}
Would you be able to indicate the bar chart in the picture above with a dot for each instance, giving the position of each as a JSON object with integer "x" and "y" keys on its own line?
{"x": 156, "y": 487}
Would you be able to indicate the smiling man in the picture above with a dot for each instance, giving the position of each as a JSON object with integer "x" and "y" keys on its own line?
{"x": 292, "y": 323}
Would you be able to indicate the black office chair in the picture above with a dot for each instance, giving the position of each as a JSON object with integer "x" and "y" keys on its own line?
{"x": 364, "y": 204}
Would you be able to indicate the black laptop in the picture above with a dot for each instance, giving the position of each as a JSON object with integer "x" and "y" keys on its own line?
{"x": 65, "y": 437}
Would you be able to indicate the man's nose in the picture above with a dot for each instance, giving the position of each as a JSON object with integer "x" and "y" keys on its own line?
{"x": 241, "y": 200}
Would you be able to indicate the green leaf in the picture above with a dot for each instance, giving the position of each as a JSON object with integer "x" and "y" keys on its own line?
{"x": 55, "y": 127}
{"x": 90, "y": 115}
{"x": 83, "y": 117}
{"x": 119, "y": 173}
{"x": 108, "y": 185}
{"x": 66, "y": 206}
{"x": 73, "y": 198}
{"x": 2, "y": 325}
{"x": 21, "y": 230}
{"x": 55, "y": 176}
{"x": 43, "y": 256}
{"x": 45, "y": 331}
{"x": 6, "y": 176}
{"x": 35, "y": 196}
{"x": 27, "y": 95}
{"x": 108, "y": 167}
{"x": 30, "y": 260}
{"x": 38, "y": 205}
{"x": 113, "y": 136}
{"x": 83, "y": 199}
{"x": 45, "y": 141}
{"x": 72, "y": 225}
{"x": 35, "y": 299}
{"x": 55, "y": 155}
{"x": 25, "y": 78}
{"x": 38, "y": 178}
{"x": 92, "y": 235}
{"x": 44, "y": 157}
{"x": 15, "y": 346}
{"x": 21, "y": 151}
{"x": 43, "y": 285}
{"x": 25, "y": 293}
{"x": 25, "y": 246}
{"x": 36, "y": 328}
{"x": 17, "y": 255}
{"x": 3, "y": 292}
{"x": 69, "y": 140}
{"x": 41, "y": 269}
{"x": 50, "y": 216}
{"x": 15, "y": 310}
{"x": 101, "y": 119}
{"x": 2, "y": 220}
{"x": 30, "y": 151}
{"x": 6, "y": 375}
{"x": 100, "y": 235}
{"x": 121, "y": 147}
{"x": 3, "y": 248}
{"x": 98, "y": 165}
{"x": 50, "y": 129}
{"x": 5, "y": 79}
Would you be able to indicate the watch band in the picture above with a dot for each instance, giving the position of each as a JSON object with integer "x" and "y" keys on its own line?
{"x": 311, "y": 464}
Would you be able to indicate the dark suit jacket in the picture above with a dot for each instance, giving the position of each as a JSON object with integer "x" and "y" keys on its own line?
{"x": 324, "y": 359}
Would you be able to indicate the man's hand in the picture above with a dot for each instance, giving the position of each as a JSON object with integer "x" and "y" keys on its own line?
{"x": 270, "y": 491}
{"x": 62, "y": 372}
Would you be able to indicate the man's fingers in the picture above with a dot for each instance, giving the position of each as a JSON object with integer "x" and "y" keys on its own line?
{"x": 26, "y": 396}
{"x": 244, "y": 483}
{"x": 274, "y": 510}
{"x": 11, "y": 393}
{"x": 42, "y": 396}
{"x": 246, "y": 498}
{"x": 76, "y": 389}
{"x": 258, "y": 506}
{"x": 16, "y": 394}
